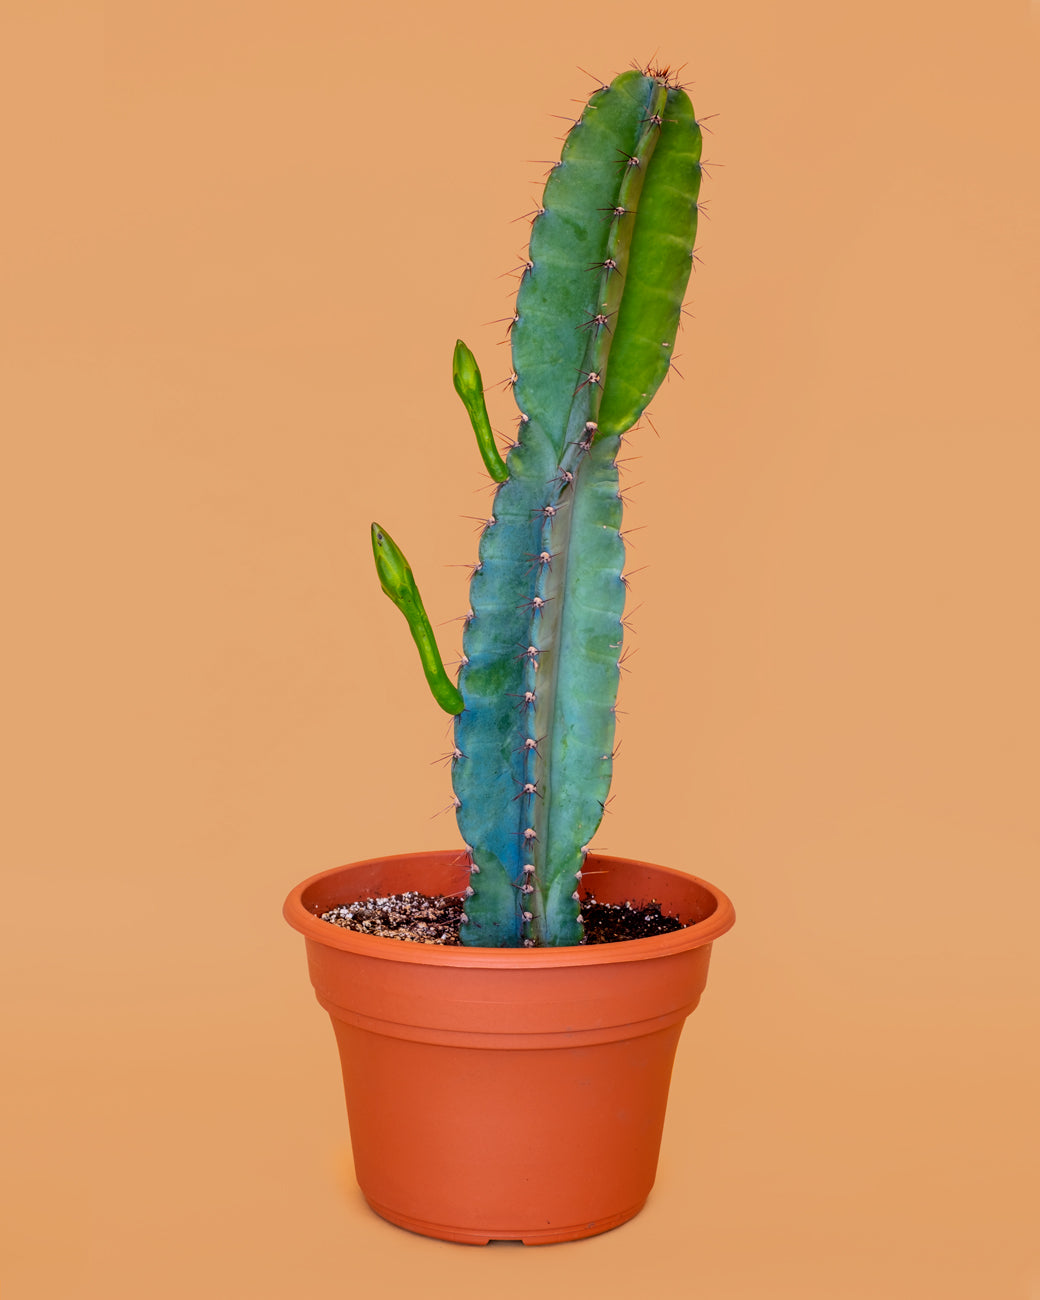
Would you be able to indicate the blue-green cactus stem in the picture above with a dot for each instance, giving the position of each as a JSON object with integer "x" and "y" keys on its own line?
{"x": 592, "y": 335}
{"x": 541, "y": 647}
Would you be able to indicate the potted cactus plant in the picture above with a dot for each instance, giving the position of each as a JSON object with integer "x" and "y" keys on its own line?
{"x": 514, "y": 1085}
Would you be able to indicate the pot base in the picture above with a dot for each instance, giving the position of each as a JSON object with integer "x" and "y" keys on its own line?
{"x": 550, "y": 1236}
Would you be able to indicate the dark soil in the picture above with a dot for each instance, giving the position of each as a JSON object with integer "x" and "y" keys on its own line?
{"x": 418, "y": 918}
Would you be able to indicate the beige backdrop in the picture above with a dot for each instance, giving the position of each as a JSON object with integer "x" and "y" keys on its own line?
{"x": 239, "y": 243}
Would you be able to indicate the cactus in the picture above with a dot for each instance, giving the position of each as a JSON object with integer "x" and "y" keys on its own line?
{"x": 595, "y": 321}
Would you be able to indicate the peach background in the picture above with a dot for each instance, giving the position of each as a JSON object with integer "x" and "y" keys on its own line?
{"x": 240, "y": 241}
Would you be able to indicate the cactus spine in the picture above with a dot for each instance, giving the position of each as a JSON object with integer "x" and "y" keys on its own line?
{"x": 592, "y": 335}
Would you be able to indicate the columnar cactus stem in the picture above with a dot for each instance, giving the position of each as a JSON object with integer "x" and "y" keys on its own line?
{"x": 596, "y": 317}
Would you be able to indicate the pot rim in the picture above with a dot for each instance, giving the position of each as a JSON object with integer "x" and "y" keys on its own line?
{"x": 314, "y": 929}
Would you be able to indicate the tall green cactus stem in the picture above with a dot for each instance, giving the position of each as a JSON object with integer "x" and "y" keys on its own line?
{"x": 596, "y": 317}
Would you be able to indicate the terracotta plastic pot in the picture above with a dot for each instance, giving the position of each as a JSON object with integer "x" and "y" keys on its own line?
{"x": 499, "y": 1093}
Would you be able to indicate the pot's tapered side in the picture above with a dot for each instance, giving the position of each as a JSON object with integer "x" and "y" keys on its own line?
{"x": 542, "y": 1145}
{"x": 505, "y": 1093}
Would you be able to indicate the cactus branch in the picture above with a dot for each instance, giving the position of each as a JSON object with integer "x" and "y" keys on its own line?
{"x": 465, "y": 375}
{"x": 395, "y": 577}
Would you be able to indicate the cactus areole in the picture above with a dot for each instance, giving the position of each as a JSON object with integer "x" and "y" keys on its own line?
{"x": 592, "y": 335}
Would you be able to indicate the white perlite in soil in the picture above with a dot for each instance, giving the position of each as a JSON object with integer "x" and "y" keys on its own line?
{"x": 420, "y": 918}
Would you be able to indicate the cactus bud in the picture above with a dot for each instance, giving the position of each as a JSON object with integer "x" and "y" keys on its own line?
{"x": 396, "y": 580}
{"x": 465, "y": 374}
